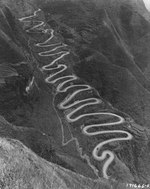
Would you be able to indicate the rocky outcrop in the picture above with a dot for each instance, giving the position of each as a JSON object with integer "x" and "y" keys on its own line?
{"x": 21, "y": 168}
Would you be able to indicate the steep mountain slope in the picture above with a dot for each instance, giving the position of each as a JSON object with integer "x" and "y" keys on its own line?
{"x": 21, "y": 168}
{"x": 109, "y": 41}
{"x": 116, "y": 33}
{"x": 28, "y": 105}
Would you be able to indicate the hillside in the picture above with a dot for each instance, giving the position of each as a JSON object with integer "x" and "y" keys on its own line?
{"x": 109, "y": 43}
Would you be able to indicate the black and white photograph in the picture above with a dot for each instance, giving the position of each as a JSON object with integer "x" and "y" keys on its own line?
{"x": 74, "y": 94}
